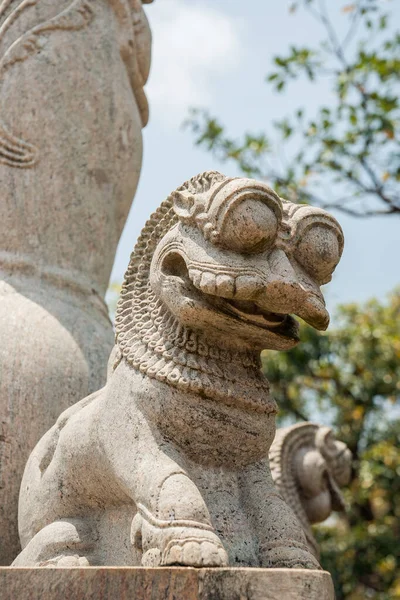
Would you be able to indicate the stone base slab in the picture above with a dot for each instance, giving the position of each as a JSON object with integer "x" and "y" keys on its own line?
{"x": 176, "y": 583}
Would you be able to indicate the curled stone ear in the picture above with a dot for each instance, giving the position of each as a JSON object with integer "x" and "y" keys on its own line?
{"x": 326, "y": 443}
{"x": 186, "y": 206}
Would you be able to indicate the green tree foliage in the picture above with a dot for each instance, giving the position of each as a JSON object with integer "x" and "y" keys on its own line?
{"x": 348, "y": 155}
{"x": 350, "y": 377}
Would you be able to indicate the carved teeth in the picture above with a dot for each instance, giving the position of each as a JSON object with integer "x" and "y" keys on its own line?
{"x": 243, "y": 287}
{"x": 225, "y": 286}
{"x": 195, "y": 276}
{"x": 208, "y": 284}
{"x": 247, "y": 287}
{"x": 216, "y": 285}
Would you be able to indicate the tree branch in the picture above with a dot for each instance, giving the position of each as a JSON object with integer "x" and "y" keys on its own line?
{"x": 353, "y": 26}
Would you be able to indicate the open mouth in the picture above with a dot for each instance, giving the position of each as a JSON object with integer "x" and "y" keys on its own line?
{"x": 251, "y": 313}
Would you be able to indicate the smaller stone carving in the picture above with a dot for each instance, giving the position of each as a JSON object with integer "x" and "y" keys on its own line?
{"x": 309, "y": 466}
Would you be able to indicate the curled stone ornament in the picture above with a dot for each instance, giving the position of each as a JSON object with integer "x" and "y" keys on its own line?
{"x": 168, "y": 463}
{"x": 309, "y": 466}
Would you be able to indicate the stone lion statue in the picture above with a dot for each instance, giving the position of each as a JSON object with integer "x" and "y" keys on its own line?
{"x": 168, "y": 463}
{"x": 309, "y": 466}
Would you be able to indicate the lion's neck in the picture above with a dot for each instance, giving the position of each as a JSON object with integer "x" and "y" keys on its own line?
{"x": 160, "y": 347}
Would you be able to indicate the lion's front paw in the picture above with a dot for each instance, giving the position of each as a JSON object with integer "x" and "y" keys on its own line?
{"x": 177, "y": 545}
{"x": 195, "y": 552}
{"x": 286, "y": 557}
{"x": 66, "y": 561}
{"x": 305, "y": 565}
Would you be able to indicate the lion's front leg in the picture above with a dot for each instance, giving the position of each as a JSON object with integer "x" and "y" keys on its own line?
{"x": 282, "y": 542}
{"x": 171, "y": 524}
{"x": 175, "y": 528}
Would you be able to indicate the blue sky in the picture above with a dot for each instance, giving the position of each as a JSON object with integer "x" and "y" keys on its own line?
{"x": 215, "y": 54}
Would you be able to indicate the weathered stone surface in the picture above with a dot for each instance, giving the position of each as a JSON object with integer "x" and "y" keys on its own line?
{"x": 168, "y": 464}
{"x": 165, "y": 584}
{"x": 309, "y": 466}
{"x": 71, "y": 111}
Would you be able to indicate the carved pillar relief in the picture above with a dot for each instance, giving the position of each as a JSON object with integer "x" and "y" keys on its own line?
{"x": 72, "y": 107}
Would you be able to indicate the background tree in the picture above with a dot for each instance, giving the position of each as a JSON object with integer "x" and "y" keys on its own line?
{"x": 347, "y": 157}
{"x": 349, "y": 377}
{"x": 348, "y": 154}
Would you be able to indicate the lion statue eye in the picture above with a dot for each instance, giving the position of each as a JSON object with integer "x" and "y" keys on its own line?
{"x": 319, "y": 252}
{"x": 249, "y": 227}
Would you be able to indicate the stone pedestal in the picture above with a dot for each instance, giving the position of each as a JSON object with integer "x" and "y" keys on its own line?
{"x": 176, "y": 583}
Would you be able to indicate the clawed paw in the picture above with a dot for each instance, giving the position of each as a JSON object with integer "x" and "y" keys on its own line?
{"x": 66, "y": 562}
{"x": 291, "y": 558}
{"x": 177, "y": 545}
{"x": 195, "y": 553}
{"x": 304, "y": 565}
